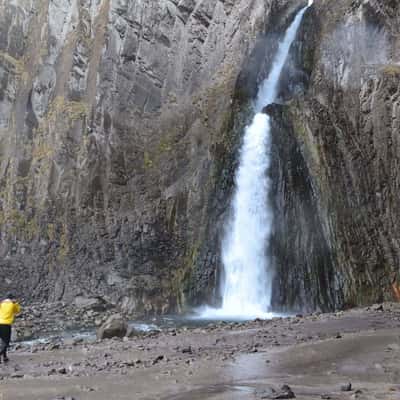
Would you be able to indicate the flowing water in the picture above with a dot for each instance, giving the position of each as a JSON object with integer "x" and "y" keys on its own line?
{"x": 246, "y": 291}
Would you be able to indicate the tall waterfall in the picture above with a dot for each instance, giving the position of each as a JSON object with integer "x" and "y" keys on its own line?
{"x": 246, "y": 291}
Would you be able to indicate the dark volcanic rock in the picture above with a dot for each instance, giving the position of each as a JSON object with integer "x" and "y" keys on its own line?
{"x": 297, "y": 241}
{"x": 116, "y": 154}
{"x": 335, "y": 159}
{"x": 285, "y": 392}
{"x": 346, "y": 388}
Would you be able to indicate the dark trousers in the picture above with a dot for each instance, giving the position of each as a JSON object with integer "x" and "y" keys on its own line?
{"x": 5, "y": 337}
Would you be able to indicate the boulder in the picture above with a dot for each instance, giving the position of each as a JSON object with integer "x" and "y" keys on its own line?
{"x": 115, "y": 326}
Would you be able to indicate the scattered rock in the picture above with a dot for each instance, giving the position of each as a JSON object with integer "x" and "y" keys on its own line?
{"x": 253, "y": 350}
{"x": 187, "y": 350}
{"x": 72, "y": 341}
{"x": 52, "y": 347}
{"x": 65, "y": 398}
{"x": 17, "y": 375}
{"x": 157, "y": 360}
{"x": 115, "y": 326}
{"x": 285, "y": 392}
{"x": 346, "y": 388}
{"x": 88, "y": 389}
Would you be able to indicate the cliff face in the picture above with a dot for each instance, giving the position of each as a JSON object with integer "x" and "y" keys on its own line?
{"x": 338, "y": 215}
{"x": 114, "y": 144}
{"x": 119, "y": 128}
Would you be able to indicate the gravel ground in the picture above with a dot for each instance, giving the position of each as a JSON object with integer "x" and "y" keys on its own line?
{"x": 345, "y": 355}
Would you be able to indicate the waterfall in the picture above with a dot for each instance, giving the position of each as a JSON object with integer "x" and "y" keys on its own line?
{"x": 246, "y": 291}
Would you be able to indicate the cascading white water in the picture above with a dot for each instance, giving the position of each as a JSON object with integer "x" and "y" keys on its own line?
{"x": 247, "y": 277}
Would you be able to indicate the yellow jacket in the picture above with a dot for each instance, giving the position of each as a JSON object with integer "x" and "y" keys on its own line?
{"x": 8, "y": 311}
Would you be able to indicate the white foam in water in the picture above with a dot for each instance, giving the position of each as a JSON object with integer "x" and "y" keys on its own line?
{"x": 141, "y": 326}
{"x": 247, "y": 287}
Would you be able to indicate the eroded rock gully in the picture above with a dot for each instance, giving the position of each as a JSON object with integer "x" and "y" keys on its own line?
{"x": 119, "y": 129}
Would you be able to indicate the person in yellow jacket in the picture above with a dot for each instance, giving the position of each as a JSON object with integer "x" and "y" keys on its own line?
{"x": 9, "y": 308}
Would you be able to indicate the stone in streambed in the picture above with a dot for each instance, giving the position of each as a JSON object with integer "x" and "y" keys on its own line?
{"x": 115, "y": 326}
{"x": 17, "y": 375}
{"x": 157, "y": 360}
{"x": 187, "y": 350}
{"x": 72, "y": 341}
{"x": 346, "y": 388}
{"x": 285, "y": 392}
{"x": 64, "y": 398}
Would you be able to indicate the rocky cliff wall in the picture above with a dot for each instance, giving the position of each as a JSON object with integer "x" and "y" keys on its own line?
{"x": 120, "y": 122}
{"x": 115, "y": 149}
{"x": 337, "y": 187}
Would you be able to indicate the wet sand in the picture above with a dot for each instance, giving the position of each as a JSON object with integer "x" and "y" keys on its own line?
{"x": 315, "y": 355}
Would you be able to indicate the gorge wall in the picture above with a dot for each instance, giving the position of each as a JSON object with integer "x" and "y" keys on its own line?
{"x": 114, "y": 144}
{"x": 337, "y": 153}
{"x": 119, "y": 128}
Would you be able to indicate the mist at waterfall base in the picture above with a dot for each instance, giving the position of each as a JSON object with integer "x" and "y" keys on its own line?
{"x": 247, "y": 283}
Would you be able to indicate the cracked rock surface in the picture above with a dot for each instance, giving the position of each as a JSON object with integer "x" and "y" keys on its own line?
{"x": 114, "y": 138}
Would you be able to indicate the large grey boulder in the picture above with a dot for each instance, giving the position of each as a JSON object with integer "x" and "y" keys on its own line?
{"x": 115, "y": 326}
